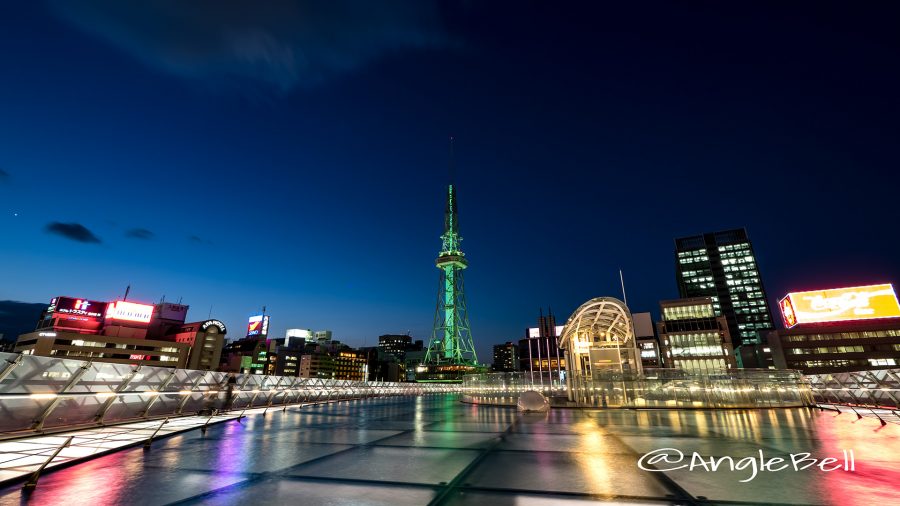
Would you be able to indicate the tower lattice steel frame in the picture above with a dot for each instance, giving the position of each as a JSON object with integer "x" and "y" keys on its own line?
{"x": 451, "y": 338}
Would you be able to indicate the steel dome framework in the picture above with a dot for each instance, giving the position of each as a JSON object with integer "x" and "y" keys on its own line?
{"x": 598, "y": 338}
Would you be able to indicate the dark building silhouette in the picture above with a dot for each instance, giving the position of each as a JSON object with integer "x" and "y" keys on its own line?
{"x": 506, "y": 357}
{"x": 539, "y": 354}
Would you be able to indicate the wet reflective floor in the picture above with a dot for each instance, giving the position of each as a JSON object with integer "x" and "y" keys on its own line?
{"x": 433, "y": 449}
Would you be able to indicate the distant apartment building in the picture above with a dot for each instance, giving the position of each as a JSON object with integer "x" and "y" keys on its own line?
{"x": 317, "y": 365}
{"x": 506, "y": 357}
{"x": 350, "y": 365}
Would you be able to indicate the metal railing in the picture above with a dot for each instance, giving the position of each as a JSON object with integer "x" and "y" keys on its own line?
{"x": 876, "y": 389}
{"x": 41, "y": 394}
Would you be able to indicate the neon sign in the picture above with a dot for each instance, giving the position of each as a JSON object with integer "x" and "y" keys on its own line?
{"x": 129, "y": 311}
{"x": 840, "y": 304}
{"x": 77, "y": 307}
{"x": 254, "y": 325}
{"x": 213, "y": 323}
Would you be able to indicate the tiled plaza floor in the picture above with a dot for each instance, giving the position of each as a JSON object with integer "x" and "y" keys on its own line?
{"x": 433, "y": 449}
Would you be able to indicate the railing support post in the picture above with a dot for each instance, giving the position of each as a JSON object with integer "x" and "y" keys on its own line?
{"x": 203, "y": 427}
{"x": 33, "y": 479}
{"x": 150, "y": 439}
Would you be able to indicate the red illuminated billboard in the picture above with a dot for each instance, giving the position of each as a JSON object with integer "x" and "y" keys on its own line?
{"x": 840, "y": 304}
{"x": 129, "y": 312}
{"x": 79, "y": 309}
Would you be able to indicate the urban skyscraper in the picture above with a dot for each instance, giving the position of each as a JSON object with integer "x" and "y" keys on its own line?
{"x": 451, "y": 350}
{"x": 722, "y": 266}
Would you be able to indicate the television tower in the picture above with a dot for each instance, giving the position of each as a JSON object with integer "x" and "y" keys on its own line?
{"x": 451, "y": 338}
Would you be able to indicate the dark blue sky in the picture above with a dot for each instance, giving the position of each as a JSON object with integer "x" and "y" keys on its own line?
{"x": 294, "y": 155}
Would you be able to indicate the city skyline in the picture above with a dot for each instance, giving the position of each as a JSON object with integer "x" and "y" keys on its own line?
{"x": 316, "y": 190}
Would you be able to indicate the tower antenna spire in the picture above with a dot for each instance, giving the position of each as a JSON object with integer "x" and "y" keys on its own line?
{"x": 451, "y": 351}
{"x": 451, "y": 163}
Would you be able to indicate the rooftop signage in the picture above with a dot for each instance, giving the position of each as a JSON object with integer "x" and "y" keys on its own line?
{"x": 255, "y": 325}
{"x": 205, "y": 326}
{"x": 840, "y": 304}
{"x": 77, "y": 307}
{"x": 129, "y": 311}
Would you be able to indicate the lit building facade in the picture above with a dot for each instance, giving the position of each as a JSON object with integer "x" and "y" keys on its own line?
{"x": 206, "y": 340}
{"x": 723, "y": 266}
{"x": 647, "y": 342}
{"x": 120, "y": 331}
{"x": 693, "y": 338}
{"x": 102, "y": 348}
{"x": 287, "y": 362}
{"x": 651, "y": 356}
{"x": 249, "y": 355}
{"x": 350, "y": 365}
{"x": 317, "y": 365}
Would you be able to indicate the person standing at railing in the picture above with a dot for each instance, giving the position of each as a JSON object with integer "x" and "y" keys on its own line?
{"x": 229, "y": 392}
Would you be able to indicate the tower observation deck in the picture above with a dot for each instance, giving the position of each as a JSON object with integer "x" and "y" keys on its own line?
{"x": 451, "y": 351}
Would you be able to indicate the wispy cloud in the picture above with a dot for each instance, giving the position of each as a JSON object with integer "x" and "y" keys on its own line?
{"x": 199, "y": 240}
{"x": 140, "y": 233}
{"x": 72, "y": 231}
{"x": 283, "y": 44}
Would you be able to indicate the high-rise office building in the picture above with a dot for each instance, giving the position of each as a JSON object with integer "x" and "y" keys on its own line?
{"x": 722, "y": 266}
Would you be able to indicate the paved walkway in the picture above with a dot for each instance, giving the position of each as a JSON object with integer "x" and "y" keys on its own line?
{"x": 433, "y": 449}
{"x": 22, "y": 457}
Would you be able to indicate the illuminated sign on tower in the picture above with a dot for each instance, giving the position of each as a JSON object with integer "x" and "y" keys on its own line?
{"x": 840, "y": 304}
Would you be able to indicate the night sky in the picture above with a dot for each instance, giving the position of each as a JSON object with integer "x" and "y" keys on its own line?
{"x": 294, "y": 154}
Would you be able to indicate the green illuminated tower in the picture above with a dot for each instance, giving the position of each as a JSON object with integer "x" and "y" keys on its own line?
{"x": 451, "y": 352}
